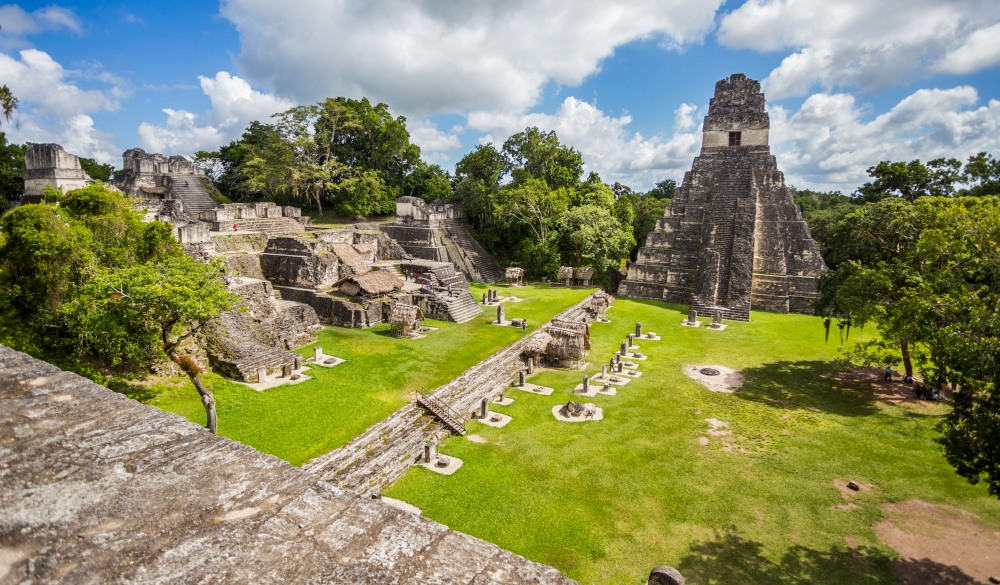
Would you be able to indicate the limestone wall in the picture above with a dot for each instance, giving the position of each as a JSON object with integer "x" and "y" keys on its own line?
{"x": 50, "y": 165}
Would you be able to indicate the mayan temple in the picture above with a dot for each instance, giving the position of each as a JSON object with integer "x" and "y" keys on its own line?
{"x": 732, "y": 239}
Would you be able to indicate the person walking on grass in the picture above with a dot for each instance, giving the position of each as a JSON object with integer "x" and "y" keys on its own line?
{"x": 888, "y": 373}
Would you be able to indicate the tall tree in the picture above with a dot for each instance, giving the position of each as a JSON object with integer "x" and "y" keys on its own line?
{"x": 665, "y": 189}
{"x": 11, "y": 170}
{"x": 533, "y": 154}
{"x": 8, "y": 103}
{"x": 98, "y": 171}
{"x": 591, "y": 236}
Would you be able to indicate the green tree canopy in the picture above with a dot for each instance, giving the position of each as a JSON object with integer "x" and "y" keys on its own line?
{"x": 87, "y": 285}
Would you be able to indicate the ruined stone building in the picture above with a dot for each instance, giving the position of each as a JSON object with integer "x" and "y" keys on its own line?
{"x": 169, "y": 186}
{"x": 732, "y": 239}
{"x": 439, "y": 231}
{"x": 48, "y": 165}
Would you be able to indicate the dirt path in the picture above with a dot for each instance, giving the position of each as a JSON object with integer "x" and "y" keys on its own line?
{"x": 939, "y": 544}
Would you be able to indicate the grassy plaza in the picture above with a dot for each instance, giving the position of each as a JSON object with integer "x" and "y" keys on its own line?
{"x": 300, "y": 421}
{"x": 752, "y": 501}
{"x": 606, "y": 500}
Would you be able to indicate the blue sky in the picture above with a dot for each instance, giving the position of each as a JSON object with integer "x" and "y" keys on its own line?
{"x": 848, "y": 84}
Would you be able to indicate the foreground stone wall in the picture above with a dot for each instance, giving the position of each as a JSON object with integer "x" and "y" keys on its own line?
{"x": 98, "y": 488}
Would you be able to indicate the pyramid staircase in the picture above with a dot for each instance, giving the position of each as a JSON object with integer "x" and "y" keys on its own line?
{"x": 191, "y": 192}
{"x": 441, "y": 411}
{"x": 484, "y": 264}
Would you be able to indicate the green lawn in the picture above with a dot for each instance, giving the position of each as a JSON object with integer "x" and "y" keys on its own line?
{"x": 299, "y": 422}
{"x": 606, "y": 501}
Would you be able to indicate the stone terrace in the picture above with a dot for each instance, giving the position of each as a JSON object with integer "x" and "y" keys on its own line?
{"x": 98, "y": 488}
{"x": 382, "y": 454}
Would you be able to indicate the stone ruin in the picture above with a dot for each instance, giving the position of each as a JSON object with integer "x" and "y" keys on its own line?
{"x": 291, "y": 276}
{"x": 170, "y": 188}
{"x": 732, "y": 239}
{"x": 48, "y": 165}
{"x": 439, "y": 232}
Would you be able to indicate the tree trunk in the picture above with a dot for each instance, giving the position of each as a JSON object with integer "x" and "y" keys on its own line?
{"x": 208, "y": 400}
{"x": 904, "y": 349}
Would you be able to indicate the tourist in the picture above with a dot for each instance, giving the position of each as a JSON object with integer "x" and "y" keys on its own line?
{"x": 234, "y": 227}
{"x": 888, "y": 373}
{"x": 524, "y": 324}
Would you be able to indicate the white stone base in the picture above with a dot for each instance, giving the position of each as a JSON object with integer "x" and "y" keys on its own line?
{"x": 536, "y": 389}
{"x": 502, "y": 420}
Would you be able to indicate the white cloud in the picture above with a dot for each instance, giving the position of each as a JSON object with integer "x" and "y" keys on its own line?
{"x": 606, "y": 143}
{"x": 980, "y": 51}
{"x": 435, "y": 145}
{"x": 234, "y": 105}
{"x": 872, "y": 45}
{"x": 434, "y": 56}
{"x": 54, "y": 108}
{"x": 18, "y": 22}
{"x": 684, "y": 117}
{"x": 828, "y": 144}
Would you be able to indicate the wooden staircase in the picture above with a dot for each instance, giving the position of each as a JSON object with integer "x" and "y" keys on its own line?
{"x": 441, "y": 411}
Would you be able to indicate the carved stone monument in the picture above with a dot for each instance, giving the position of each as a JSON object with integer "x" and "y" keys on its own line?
{"x": 732, "y": 238}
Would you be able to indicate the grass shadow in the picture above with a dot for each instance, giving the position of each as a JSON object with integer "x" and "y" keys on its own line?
{"x": 809, "y": 385}
{"x": 731, "y": 558}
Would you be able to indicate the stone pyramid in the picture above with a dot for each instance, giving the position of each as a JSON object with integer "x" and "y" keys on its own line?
{"x": 732, "y": 239}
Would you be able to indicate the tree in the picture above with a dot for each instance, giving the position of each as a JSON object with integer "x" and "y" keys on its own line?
{"x": 533, "y": 205}
{"x": 591, "y": 236}
{"x": 478, "y": 178}
{"x": 429, "y": 182}
{"x": 897, "y": 179}
{"x": 982, "y": 174}
{"x": 149, "y": 305}
{"x": 533, "y": 154}
{"x": 11, "y": 169}
{"x": 665, "y": 189}
{"x": 928, "y": 273}
{"x": 89, "y": 285}
{"x": 872, "y": 274}
{"x": 97, "y": 171}
{"x": 646, "y": 210}
{"x": 8, "y": 103}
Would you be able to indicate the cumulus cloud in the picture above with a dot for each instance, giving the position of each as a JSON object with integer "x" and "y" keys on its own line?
{"x": 607, "y": 144}
{"x": 234, "y": 105}
{"x": 54, "y": 108}
{"x": 436, "y": 146}
{"x": 872, "y": 45}
{"x": 433, "y": 56}
{"x": 828, "y": 144}
{"x": 18, "y": 23}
